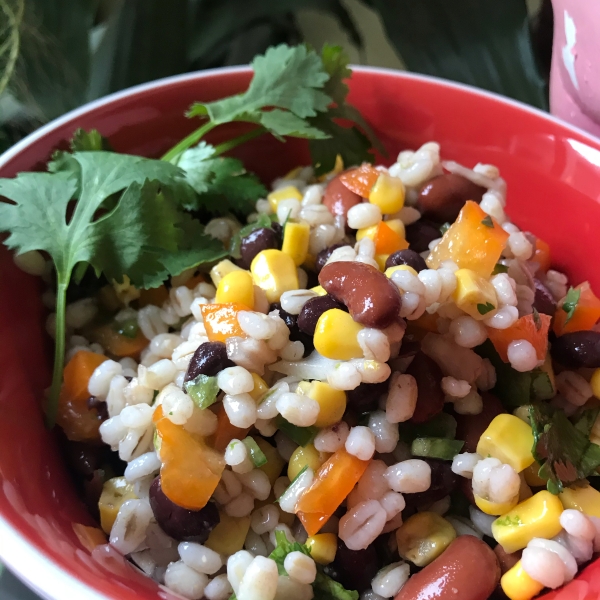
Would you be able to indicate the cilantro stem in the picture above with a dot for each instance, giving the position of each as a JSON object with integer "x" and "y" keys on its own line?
{"x": 245, "y": 137}
{"x": 188, "y": 141}
{"x": 59, "y": 351}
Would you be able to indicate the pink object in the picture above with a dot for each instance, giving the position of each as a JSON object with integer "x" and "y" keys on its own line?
{"x": 575, "y": 74}
{"x": 553, "y": 172}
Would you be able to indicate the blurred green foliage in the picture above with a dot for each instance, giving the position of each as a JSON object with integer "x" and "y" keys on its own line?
{"x": 58, "y": 54}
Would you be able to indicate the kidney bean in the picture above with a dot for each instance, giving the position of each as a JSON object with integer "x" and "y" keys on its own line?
{"x": 180, "y": 523}
{"x": 406, "y": 257}
{"x": 467, "y": 570}
{"x": 505, "y": 560}
{"x": 442, "y": 197}
{"x": 430, "y": 397}
{"x": 365, "y": 397}
{"x": 338, "y": 198}
{"x": 355, "y": 568}
{"x": 577, "y": 349}
{"x": 313, "y": 309}
{"x": 470, "y": 427}
{"x": 209, "y": 359}
{"x": 255, "y": 242}
{"x": 295, "y": 334}
{"x": 543, "y": 301}
{"x": 324, "y": 255}
{"x": 420, "y": 233}
{"x": 443, "y": 483}
{"x": 372, "y": 299}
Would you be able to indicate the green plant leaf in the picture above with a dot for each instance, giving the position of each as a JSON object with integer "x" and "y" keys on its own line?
{"x": 486, "y": 44}
{"x": 11, "y": 12}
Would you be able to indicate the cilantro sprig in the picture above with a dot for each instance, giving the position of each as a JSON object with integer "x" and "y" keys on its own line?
{"x": 570, "y": 303}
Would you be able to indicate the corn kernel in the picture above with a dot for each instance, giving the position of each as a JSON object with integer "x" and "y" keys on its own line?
{"x": 397, "y": 226}
{"x": 332, "y": 402}
{"x": 537, "y": 516}
{"x": 318, "y": 290}
{"x": 518, "y": 585}
{"x": 585, "y": 499}
{"x": 229, "y": 535}
{"x": 474, "y": 294}
{"x": 388, "y": 193}
{"x": 323, "y": 547}
{"x": 290, "y": 192}
{"x": 305, "y": 456}
{"x": 126, "y": 292}
{"x": 295, "y": 241}
{"x": 260, "y": 387}
{"x": 221, "y": 269}
{"x": 508, "y": 439}
{"x": 274, "y": 272}
{"x": 115, "y": 492}
{"x": 531, "y": 476}
{"x": 336, "y": 335}
{"x": 274, "y": 465}
{"x": 236, "y": 286}
{"x": 369, "y": 232}
{"x": 595, "y": 383}
{"x": 423, "y": 537}
{"x": 391, "y": 270}
{"x": 293, "y": 173}
{"x": 494, "y": 508}
{"x": 381, "y": 259}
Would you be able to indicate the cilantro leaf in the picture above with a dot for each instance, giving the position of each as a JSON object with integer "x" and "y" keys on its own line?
{"x": 500, "y": 268}
{"x": 564, "y": 452}
{"x": 487, "y": 221}
{"x": 283, "y": 548}
{"x": 83, "y": 140}
{"x": 203, "y": 390}
{"x": 570, "y": 303}
{"x": 484, "y": 309}
{"x": 222, "y": 184}
{"x": 444, "y": 228}
{"x": 263, "y": 221}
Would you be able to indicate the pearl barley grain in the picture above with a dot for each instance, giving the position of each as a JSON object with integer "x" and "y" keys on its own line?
{"x": 409, "y": 476}
{"x": 522, "y": 356}
{"x": 361, "y": 443}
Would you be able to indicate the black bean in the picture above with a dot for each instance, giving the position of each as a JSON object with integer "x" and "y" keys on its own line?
{"x": 365, "y": 397}
{"x": 100, "y": 406}
{"x": 84, "y": 457}
{"x": 420, "y": 233}
{"x": 544, "y": 301}
{"x": 577, "y": 349}
{"x": 323, "y": 256}
{"x": 92, "y": 489}
{"x": 180, "y": 523}
{"x": 430, "y": 397}
{"x": 406, "y": 257}
{"x": 443, "y": 483}
{"x": 313, "y": 309}
{"x": 258, "y": 240}
{"x": 209, "y": 359}
{"x": 355, "y": 569}
{"x": 295, "y": 334}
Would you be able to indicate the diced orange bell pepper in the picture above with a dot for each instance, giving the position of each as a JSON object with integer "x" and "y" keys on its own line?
{"x": 542, "y": 255}
{"x": 221, "y": 320}
{"x": 333, "y": 482}
{"x": 190, "y": 470}
{"x": 426, "y": 322}
{"x": 117, "y": 344}
{"x": 226, "y": 431}
{"x": 524, "y": 328}
{"x": 360, "y": 180}
{"x": 156, "y": 296}
{"x": 77, "y": 420}
{"x": 192, "y": 282}
{"x": 585, "y": 315}
{"x": 474, "y": 241}
{"x": 388, "y": 241}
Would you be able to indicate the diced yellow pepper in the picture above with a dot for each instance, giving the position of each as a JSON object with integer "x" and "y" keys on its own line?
{"x": 236, "y": 286}
{"x": 495, "y": 508}
{"x": 260, "y": 387}
{"x": 274, "y": 465}
{"x": 318, "y": 290}
{"x": 323, "y": 547}
{"x": 221, "y": 269}
{"x": 397, "y": 226}
{"x": 115, "y": 492}
{"x": 389, "y": 271}
{"x": 508, "y": 439}
{"x": 275, "y": 272}
{"x": 332, "y": 402}
{"x": 536, "y": 517}
{"x": 474, "y": 294}
{"x": 336, "y": 335}
{"x": 388, "y": 193}
{"x": 585, "y": 499}
{"x": 295, "y": 241}
{"x": 423, "y": 537}
{"x": 595, "y": 383}
{"x": 289, "y": 192}
{"x": 518, "y": 585}
{"x": 229, "y": 535}
{"x": 305, "y": 456}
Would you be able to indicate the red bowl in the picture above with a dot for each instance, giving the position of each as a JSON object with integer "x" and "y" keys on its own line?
{"x": 553, "y": 172}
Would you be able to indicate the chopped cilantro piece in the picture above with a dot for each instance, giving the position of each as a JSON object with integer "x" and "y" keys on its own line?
{"x": 484, "y": 309}
{"x": 236, "y": 241}
{"x": 203, "y": 390}
{"x": 430, "y": 447}
{"x": 257, "y": 456}
{"x": 300, "y": 435}
{"x": 445, "y": 227}
{"x": 128, "y": 328}
{"x": 536, "y": 319}
{"x": 570, "y": 303}
{"x": 487, "y": 221}
{"x": 509, "y": 521}
{"x": 499, "y": 268}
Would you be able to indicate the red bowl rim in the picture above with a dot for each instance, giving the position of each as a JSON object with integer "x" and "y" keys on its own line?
{"x": 30, "y": 564}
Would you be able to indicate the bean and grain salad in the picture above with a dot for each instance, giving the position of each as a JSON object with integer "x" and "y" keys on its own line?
{"x": 380, "y": 389}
